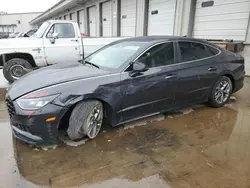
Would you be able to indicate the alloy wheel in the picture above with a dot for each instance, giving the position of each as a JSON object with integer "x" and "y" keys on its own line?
{"x": 222, "y": 92}
{"x": 94, "y": 122}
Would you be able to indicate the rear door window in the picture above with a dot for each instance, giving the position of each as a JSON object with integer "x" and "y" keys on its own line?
{"x": 191, "y": 51}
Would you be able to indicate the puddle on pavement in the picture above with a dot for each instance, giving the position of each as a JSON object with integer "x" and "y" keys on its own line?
{"x": 206, "y": 147}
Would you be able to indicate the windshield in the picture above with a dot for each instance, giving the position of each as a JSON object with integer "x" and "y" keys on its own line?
{"x": 41, "y": 30}
{"x": 115, "y": 55}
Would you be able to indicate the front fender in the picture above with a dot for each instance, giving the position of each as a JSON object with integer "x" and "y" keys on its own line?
{"x": 2, "y": 55}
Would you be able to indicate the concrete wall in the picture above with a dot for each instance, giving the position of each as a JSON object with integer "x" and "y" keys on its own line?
{"x": 20, "y": 20}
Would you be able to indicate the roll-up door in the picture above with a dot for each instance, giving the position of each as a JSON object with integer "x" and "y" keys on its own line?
{"x": 128, "y": 17}
{"x": 81, "y": 21}
{"x": 107, "y": 19}
{"x": 161, "y": 15}
{"x": 221, "y": 19}
{"x": 92, "y": 21}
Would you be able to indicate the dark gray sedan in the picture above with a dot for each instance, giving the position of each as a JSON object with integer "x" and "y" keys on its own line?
{"x": 124, "y": 81}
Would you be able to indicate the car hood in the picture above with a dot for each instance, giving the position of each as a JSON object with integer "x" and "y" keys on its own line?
{"x": 52, "y": 75}
{"x": 16, "y": 43}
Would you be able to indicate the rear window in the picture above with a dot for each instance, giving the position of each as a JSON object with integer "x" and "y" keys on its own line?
{"x": 191, "y": 51}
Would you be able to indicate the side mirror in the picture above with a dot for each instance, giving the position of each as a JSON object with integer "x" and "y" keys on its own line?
{"x": 54, "y": 37}
{"x": 138, "y": 68}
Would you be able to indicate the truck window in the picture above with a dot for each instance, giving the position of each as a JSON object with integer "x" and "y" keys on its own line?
{"x": 64, "y": 30}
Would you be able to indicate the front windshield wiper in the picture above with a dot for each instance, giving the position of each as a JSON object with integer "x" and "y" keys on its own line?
{"x": 87, "y": 62}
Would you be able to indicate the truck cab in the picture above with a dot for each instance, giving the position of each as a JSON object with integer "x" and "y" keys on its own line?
{"x": 58, "y": 38}
{"x": 56, "y": 41}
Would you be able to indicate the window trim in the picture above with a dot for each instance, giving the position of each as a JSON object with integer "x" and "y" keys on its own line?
{"x": 176, "y": 56}
{"x": 60, "y": 23}
{"x": 178, "y": 63}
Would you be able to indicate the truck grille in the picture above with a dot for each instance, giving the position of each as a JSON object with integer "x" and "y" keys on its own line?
{"x": 11, "y": 108}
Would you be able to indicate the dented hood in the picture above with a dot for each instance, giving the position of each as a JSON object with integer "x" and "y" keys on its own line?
{"x": 52, "y": 75}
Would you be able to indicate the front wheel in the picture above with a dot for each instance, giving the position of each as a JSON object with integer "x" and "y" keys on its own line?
{"x": 221, "y": 92}
{"x": 15, "y": 68}
{"x": 86, "y": 120}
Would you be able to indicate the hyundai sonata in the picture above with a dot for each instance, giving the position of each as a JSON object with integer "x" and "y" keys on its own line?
{"x": 124, "y": 81}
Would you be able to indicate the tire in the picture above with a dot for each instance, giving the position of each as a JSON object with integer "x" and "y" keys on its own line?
{"x": 18, "y": 64}
{"x": 81, "y": 118}
{"x": 224, "y": 94}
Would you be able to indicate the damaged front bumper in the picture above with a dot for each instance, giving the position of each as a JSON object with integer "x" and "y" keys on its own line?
{"x": 31, "y": 127}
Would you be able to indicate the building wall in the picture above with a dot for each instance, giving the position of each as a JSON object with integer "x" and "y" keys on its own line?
{"x": 181, "y": 22}
{"x": 16, "y": 22}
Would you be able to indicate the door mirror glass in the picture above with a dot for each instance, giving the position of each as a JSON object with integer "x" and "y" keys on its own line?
{"x": 139, "y": 67}
{"x": 55, "y": 35}
{"x": 53, "y": 38}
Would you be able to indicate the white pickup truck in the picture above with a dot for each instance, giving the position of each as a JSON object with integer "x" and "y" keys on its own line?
{"x": 55, "y": 41}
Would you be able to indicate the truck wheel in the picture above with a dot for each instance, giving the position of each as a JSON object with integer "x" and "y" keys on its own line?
{"x": 15, "y": 68}
{"x": 221, "y": 92}
{"x": 86, "y": 120}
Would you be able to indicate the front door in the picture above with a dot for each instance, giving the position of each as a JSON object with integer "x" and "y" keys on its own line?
{"x": 64, "y": 48}
{"x": 153, "y": 90}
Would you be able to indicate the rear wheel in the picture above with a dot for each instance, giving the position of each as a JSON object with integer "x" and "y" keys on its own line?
{"x": 221, "y": 92}
{"x": 15, "y": 68}
{"x": 86, "y": 120}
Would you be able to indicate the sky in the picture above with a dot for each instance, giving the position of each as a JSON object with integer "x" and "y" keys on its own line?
{"x": 19, "y": 6}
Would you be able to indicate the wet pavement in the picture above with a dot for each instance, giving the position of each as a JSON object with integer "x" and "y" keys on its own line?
{"x": 203, "y": 148}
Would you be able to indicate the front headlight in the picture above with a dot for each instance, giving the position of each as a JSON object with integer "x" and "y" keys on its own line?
{"x": 35, "y": 103}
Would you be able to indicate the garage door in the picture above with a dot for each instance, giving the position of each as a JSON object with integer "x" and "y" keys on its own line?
{"x": 161, "y": 14}
{"x": 92, "y": 21}
{"x": 107, "y": 19}
{"x": 81, "y": 21}
{"x": 73, "y": 17}
{"x": 128, "y": 17}
{"x": 221, "y": 19}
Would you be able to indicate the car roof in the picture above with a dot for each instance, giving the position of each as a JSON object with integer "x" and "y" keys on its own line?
{"x": 160, "y": 38}
{"x": 61, "y": 21}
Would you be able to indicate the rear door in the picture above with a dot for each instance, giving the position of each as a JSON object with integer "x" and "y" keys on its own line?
{"x": 154, "y": 90}
{"x": 65, "y": 48}
{"x": 198, "y": 69}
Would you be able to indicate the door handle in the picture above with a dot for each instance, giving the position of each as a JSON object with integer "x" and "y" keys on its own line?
{"x": 74, "y": 40}
{"x": 170, "y": 76}
{"x": 212, "y": 69}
